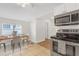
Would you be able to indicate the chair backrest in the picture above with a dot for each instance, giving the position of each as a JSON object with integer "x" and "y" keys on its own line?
{"x": 16, "y": 40}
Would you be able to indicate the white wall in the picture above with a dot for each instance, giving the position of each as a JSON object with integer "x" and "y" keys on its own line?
{"x": 33, "y": 31}
{"x": 53, "y": 27}
{"x": 66, "y": 7}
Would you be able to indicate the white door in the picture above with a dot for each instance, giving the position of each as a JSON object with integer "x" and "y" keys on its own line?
{"x": 42, "y": 31}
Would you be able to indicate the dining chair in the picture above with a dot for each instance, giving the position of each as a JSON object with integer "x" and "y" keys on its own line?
{"x": 16, "y": 44}
{"x": 2, "y": 48}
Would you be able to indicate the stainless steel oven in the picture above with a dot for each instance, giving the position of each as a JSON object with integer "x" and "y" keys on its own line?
{"x": 66, "y": 42}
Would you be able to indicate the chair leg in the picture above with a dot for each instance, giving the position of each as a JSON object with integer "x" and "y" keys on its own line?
{"x": 4, "y": 47}
{"x": 0, "y": 46}
{"x": 0, "y": 50}
{"x": 12, "y": 46}
{"x": 28, "y": 42}
{"x": 19, "y": 44}
{"x": 23, "y": 42}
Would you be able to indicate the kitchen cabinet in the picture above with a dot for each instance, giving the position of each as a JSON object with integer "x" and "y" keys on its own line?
{"x": 77, "y": 51}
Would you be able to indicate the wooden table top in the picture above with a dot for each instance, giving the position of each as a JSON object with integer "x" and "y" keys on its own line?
{"x": 13, "y": 37}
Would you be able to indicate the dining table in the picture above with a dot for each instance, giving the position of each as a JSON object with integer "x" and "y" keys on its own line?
{"x": 9, "y": 38}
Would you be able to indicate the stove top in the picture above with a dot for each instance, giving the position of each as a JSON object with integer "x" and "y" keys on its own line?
{"x": 65, "y": 39}
{"x": 71, "y": 35}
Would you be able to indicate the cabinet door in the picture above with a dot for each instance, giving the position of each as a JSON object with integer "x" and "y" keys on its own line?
{"x": 70, "y": 50}
{"x": 77, "y": 50}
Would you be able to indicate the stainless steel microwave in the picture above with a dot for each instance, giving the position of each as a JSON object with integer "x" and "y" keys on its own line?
{"x": 69, "y": 18}
{"x": 62, "y": 20}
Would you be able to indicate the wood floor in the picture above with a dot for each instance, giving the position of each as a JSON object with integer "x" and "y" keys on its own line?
{"x": 34, "y": 50}
{"x": 45, "y": 44}
{"x": 40, "y": 49}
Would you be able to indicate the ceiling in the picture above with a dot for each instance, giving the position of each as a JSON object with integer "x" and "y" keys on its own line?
{"x": 33, "y": 11}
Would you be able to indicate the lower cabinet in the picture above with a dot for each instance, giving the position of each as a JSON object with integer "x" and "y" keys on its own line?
{"x": 77, "y": 50}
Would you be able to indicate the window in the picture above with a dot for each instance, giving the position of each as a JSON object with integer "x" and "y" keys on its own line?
{"x": 7, "y": 29}
{"x": 18, "y": 29}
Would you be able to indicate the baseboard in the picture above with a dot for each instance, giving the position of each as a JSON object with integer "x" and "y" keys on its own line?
{"x": 40, "y": 40}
